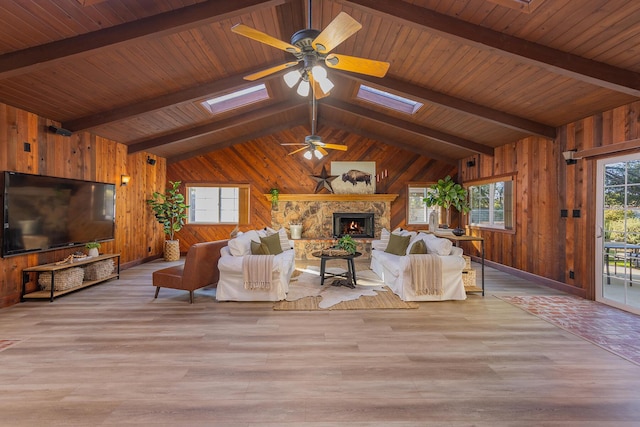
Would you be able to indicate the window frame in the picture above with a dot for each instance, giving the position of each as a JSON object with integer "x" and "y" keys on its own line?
{"x": 244, "y": 196}
{"x": 437, "y": 209}
{"x": 507, "y": 228}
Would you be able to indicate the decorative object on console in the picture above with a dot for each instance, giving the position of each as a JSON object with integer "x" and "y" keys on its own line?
{"x": 93, "y": 248}
{"x": 296, "y": 230}
{"x": 355, "y": 177}
{"x": 169, "y": 209}
{"x": 324, "y": 180}
{"x": 446, "y": 193}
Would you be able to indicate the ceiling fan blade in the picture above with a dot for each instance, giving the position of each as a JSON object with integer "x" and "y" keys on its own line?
{"x": 318, "y": 93}
{"x": 298, "y": 150}
{"x": 357, "y": 65}
{"x": 322, "y": 150}
{"x": 341, "y": 28}
{"x": 293, "y": 143}
{"x": 265, "y": 38}
{"x": 335, "y": 147}
{"x": 263, "y": 73}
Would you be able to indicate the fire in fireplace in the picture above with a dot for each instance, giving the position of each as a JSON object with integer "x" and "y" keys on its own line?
{"x": 358, "y": 224}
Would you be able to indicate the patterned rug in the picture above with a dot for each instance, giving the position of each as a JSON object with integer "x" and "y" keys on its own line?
{"x": 305, "y": 293}
{"x": 612, "y": 329}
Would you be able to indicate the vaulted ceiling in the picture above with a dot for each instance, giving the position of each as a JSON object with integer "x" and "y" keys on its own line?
{"x": 488, "y": 72}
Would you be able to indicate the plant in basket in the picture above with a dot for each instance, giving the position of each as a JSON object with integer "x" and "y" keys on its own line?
{"x": 347, "y": 244}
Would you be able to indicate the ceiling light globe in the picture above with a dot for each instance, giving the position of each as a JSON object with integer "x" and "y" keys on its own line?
{"x": 292, "y": 77}
{"x": 303, "y": 88}
{"x": 325, "y": 85}
{"x": 319, "y": 73}
{"x": 318, "y": 154}
{"x": 307, "y": 155}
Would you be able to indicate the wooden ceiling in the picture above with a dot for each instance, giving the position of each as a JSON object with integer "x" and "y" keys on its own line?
{"x": 488, "y": 72}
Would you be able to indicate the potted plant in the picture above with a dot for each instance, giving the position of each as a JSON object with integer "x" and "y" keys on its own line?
{"x": 170, "y": 211}
{"x": 275, "y": 195}
{"x": 347, "y": 243}
{"x": 93, "y": 248}
{"x": 446, "y": 193}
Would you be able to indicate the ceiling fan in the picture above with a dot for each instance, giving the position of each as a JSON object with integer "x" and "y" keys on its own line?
{"x": 313, "y": 144}
{"x": 312, "y": 48}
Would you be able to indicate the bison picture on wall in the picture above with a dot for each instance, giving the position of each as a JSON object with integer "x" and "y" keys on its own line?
{"x": 354, "y": 177}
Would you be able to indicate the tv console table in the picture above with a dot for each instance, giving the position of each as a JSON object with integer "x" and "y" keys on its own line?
{"x": 54, "y": 268}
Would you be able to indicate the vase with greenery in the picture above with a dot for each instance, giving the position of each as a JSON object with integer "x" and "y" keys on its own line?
{"x": 446, "y": 194}
{"x": 93, "y": 248}
{"x": 347, "y": 243}
{"x": 275, "y": 196}
{"x": 170, "y": 209}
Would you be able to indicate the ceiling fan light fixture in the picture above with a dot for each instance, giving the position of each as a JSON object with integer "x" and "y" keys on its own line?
{"x": 307, "y": 155}
{"x": 303, "y": 88}
{"x": 292, "y": 77}
{"x": 318, "y": 154}
{"x": 325, "y": 85}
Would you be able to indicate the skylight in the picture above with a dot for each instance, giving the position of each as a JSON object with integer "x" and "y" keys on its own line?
{"x": 236, "y": 99}
{"x": 388, "y": 100}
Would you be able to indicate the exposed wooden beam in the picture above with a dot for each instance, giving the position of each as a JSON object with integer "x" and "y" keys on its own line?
{"x": 562, "y": 63}
{"x": 408, "y": 126}
{"x": 422, "y": 151}
{"x": 620, "y": 147}
{"x": 422, "y": 94}
{"x": 26, "y": 60}
{"x": 191, "y": 94}
{"x": 209, "y": 128}
{"x": 239, "y": 140}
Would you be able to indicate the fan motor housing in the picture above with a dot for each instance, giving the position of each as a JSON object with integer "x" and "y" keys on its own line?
{"x": 303, "y": 38}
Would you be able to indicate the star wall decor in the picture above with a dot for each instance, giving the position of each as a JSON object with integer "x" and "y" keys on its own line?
{"x": 324, "y": 180}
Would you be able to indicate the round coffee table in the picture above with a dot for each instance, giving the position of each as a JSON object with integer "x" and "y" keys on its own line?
{"x": 350, "y": 275}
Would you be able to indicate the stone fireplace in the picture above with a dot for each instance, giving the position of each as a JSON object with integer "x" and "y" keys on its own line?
{"x": 315, "y": 213}
{"x": 355, "y": 224}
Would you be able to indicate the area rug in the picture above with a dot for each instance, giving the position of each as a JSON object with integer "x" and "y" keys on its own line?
{"x": 607, "y": 327}
{"x": 305, "y": 293}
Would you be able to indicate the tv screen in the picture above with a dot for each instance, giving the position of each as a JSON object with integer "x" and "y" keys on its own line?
{"x": 43, "y": 212}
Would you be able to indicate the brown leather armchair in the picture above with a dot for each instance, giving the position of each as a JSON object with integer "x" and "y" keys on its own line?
{"x": 200, "y": 269}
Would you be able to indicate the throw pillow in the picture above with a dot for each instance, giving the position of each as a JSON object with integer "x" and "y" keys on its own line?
{"x": 398, "y": 244}
{"x": 259, "y": 248}
{"x": 419, "y": 247}
{"x": 273, "y": 243}
{"x": 284, "y": 238}
{"x": 439, "y": 246}
{"x": 241, "y": 245}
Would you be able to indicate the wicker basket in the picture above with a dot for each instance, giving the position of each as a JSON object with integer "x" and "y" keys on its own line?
{"x": 469, "y": 278}
{"x": 467, "y": 262}
{"x": 98, "y": 270}
{"x": 65, "y": 279}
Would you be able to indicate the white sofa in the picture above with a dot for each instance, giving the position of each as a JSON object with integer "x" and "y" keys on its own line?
{"x": 231, "y": 283}
{"x": 395, "y": 270}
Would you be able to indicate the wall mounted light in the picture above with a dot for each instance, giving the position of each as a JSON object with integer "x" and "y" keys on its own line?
{"x": 570, "y": 157}
{"x": 471, "y": 163}
{"x": 124, "y": 180}
{"x": 151, "y": 161}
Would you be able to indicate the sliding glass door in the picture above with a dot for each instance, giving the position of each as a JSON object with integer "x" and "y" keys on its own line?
{"x": 618, "y": 232}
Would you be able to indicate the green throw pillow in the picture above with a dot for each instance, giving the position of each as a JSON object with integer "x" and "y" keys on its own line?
{"x": 273, "y": 243}
{"x": 259, "y": 248}
{"x": 418, "y": 247}
{"x": 398, "y": 244}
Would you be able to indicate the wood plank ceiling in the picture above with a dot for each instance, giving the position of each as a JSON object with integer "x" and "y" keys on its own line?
{"x": 487, "y": 71}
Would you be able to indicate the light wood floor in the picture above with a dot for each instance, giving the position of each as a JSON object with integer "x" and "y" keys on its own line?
{"x": 111, "y": 355}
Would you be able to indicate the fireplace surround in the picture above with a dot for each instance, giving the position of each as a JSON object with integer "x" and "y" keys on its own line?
{"x": 355, "y": 224}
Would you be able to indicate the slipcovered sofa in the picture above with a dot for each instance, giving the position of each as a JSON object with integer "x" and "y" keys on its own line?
{"x": 398, "y": 274}
{"x": 237, "y": 257}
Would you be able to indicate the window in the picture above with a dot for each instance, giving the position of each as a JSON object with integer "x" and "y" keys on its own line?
{"x": 236, "y": 99}
{"x": 218, "y": 204}
{"x": 388, "y": 100}
{"x": 492, "y": 204}
{"x": 418, "y": 211}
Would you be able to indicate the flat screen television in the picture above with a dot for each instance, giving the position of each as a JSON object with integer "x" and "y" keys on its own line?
{"x": 42, "y": 213}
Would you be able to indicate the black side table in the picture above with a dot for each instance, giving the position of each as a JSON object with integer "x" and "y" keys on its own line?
{"x": 351, "y": 268}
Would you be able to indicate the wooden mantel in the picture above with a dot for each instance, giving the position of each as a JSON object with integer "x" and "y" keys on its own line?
{"x": 335, "y": 197}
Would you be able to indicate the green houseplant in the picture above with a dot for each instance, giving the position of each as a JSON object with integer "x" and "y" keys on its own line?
{"x": 93, "y": 248}
{"x": 170, "y": 209}
{"x": 446, "y": 193}
{"x": 347, "y": 243}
